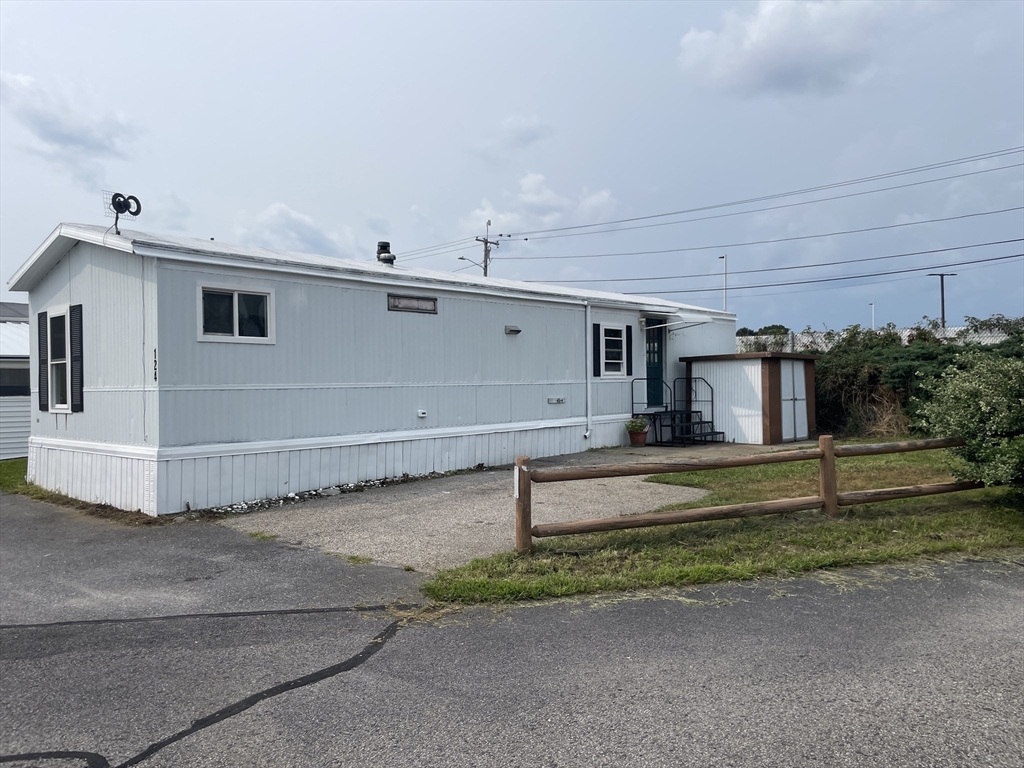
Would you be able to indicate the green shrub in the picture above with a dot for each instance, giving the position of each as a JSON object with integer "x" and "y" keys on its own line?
{"x": 980, "y": 398}
{"x": 867, "y": 379}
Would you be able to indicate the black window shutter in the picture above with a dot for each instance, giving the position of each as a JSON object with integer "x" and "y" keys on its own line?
{"x": 629, "y": 350}
{"x": 44, "y": 378}
{"x": 75, "y": 331}
{"x": 597, "y": 350}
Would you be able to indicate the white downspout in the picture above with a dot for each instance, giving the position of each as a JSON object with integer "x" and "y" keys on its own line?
{"x": 590, "y": 364}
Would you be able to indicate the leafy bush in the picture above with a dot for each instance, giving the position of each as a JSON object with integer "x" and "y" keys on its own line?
{"x": 866, "y": 380}
{"x": 981, "y": 400}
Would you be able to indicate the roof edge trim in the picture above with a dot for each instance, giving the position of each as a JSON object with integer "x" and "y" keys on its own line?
{"x": 50, "y": 251}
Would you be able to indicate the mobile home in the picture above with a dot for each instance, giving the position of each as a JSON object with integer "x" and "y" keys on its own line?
{"x": 171, "y": 373}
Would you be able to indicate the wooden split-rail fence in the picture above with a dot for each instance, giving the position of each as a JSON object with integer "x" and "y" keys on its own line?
{"x": 828, "y": 498}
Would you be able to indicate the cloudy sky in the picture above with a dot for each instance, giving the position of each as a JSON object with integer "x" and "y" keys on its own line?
{"x": 325, "y": 127}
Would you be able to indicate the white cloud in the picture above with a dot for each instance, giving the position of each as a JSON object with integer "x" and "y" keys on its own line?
{"x": 819, "y": 47}
{"x": 537, "y": 198}
{"x": 595, "y": 206}
{"x": 514, "y": 134}
{"x": 74, "y": 139}
{"x": 500, "y": 222}
{"x": 278, "y": 226}
{"x": 537, "y": 206}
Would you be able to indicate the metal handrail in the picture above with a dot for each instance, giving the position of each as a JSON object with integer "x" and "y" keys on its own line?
{"x": 649, "y": 408}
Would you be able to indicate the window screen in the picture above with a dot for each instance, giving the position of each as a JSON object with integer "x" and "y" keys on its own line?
{"x": 252, "y": 315}
{"x": 58, "y": 361}
{"x": 217, "y": 312}
{"x": 613, "y": 350}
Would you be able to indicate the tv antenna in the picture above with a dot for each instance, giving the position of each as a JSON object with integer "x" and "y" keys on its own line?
{"x": 116, "y": 205}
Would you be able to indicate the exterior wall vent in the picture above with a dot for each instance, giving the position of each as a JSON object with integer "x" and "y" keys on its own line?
{"x": 384, "y": 254}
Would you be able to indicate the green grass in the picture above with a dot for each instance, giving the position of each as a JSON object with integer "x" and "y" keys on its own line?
{"x": 359, "y": 559}
{"x": 12, "y": 480}
{"x": 970, "y": 522}
{"x": 12, "y": 475}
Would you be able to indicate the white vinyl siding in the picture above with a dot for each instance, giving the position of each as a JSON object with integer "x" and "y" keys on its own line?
{"x": 15, "y": 425}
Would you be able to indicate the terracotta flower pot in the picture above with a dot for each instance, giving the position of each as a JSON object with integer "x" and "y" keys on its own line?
{"x": 638, "y": 438}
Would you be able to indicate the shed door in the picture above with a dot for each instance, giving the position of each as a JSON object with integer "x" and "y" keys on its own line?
{"x": 794, "y": 400}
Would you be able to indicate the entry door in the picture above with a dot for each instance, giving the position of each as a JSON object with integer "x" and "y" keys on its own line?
{"x": 794, "y": 400}
{"x": 655, "y": 366}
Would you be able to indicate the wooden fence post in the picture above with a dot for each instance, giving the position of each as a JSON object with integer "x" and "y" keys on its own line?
{"x": 524, "y": 512}
{"x": 827, "y": 476}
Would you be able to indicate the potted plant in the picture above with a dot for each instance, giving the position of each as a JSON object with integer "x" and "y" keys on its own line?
{"x": 637, "y": 428}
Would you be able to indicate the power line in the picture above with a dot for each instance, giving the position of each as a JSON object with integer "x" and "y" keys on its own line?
{"x": 761, "y": 242}
{"x": 783, "y": 268}
{"x": 808, "y": 190}
{"x": 917, "y": 169}
{"x": 830, "y": 279}
{"x": 441, "y": 253}
{"x": 882, "y": 281}
{"x": 439, "y": 245}
{"x": 776, "y": 207}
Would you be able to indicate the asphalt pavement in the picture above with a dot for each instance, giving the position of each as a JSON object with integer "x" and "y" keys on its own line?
{"x": 269, "y": 655}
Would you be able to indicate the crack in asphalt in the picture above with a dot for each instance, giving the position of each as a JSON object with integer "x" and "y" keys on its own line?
{"x": 94, "y": 760}
{"x": 220, "y": 615}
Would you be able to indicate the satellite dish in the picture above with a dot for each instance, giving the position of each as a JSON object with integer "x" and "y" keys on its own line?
{"x": 118, "y": 205}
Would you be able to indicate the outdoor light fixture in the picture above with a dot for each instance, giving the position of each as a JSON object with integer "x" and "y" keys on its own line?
{"x": 512, "y": 330}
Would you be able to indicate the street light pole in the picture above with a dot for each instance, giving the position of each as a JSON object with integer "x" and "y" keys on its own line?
{"x": 942, "y": 290}
{"x": 725, "y": 282}
{"x": 872, "y": 305}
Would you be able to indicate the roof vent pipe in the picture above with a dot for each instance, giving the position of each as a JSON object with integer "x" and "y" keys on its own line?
{"x": 384, "y": 254}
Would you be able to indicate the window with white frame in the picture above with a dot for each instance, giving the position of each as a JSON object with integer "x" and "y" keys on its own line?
{"x": 233, "y": 315}
{"x": 613, "y": 350}
{"x": 60, "y": 372}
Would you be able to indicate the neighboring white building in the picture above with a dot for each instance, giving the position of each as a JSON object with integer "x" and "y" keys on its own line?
{"x": 172, "y": 373}
{"x": 15, "y": 405}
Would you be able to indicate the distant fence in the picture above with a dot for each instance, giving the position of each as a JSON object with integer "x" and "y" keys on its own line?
{"x": 823, "y": 341}
{"x": 828, "y": 497}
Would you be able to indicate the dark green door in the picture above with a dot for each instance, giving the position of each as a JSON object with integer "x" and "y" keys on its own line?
{"x": 655, "y": 366}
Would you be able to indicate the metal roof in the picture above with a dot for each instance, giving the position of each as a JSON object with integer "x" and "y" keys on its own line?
{"x": 13, "y": 339}
{"x": 13, "y": 311}
{"x": 209, "y": 252}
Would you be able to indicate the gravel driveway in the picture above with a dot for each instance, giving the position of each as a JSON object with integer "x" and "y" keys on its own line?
{"x": 448, "y": 521}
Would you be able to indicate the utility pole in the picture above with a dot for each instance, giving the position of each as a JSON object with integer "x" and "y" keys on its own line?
{"x": 725, "y": 282}
{"x": 872, "y": 305}
{"x": 486, "y": 240}
{"x": 942, "y": 290}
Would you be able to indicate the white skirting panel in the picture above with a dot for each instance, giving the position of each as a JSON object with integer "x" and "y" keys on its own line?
{"x": 120, "y": 481}
{"x": 159, "y": 486}
{"x": 221, "y": 480}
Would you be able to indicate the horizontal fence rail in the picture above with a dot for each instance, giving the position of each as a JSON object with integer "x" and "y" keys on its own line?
{"x": 690, "y": 465}
{"x": 828, "y": 497}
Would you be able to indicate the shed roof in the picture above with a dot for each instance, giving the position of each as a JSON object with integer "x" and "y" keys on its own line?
{"x": 749, "y": 356}
{"x": 14, "y": 339}
{"x": 65, "y": 236}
